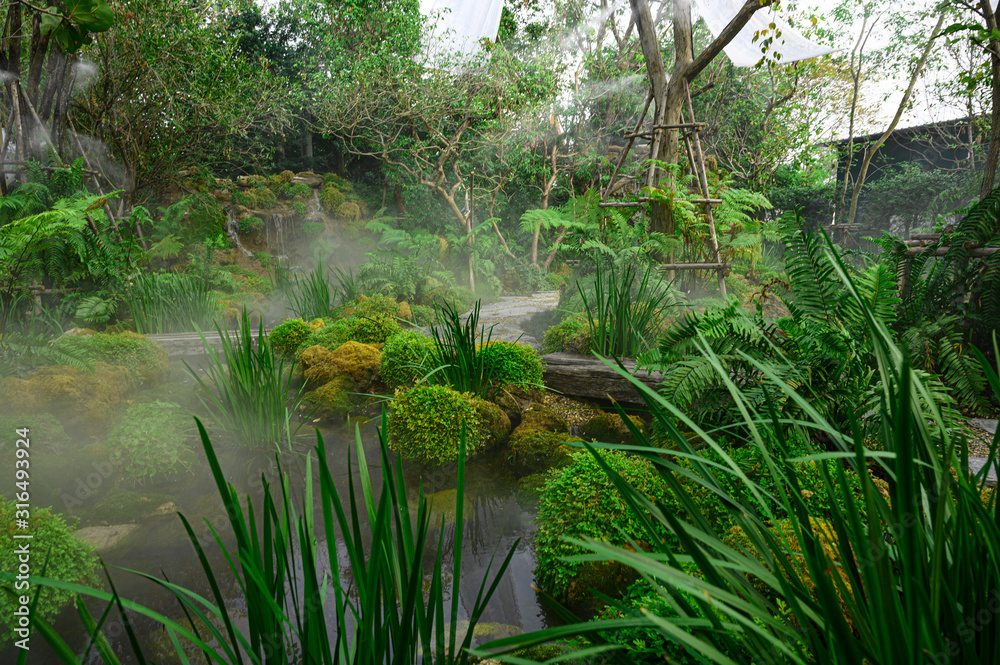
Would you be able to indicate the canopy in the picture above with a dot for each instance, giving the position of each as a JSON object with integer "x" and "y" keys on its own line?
{"x": 461, "y": 24}
{"x": 743, "y": 51}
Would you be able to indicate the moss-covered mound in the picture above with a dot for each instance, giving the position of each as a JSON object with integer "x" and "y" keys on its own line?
{"x": 493, "y": 422}
{"x": 404, "y": 358}
{"x": 580, "y": 501}
{"x": 534, "y": 451}
{"x": 572, "y": 335}
{"x": 153, "y": 442}
{"x": 610, "y": 428}
{"x": 358, "y": 362}
{"x": 331, "y": 401}
{"x": 144, "y": 359}
{"x": 425, "y": 423}
{"x": 83, "y": 402}
{"x": 69, "y": 560}
{"x": 290, "y": 335}
{"x": 512, "y": 364}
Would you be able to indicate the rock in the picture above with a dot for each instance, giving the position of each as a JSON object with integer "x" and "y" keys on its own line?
{"x": 306, "y": 178}
{"x": 493, "y": 422}
{"x": 104, "y": 538}
{"x": 532, "y": 451}
{"x": 542, "y": 418}
{"x": 82, "y": 332}
{"x": 583, "y": 376}
{"x": 610, "y": 428}
{"x": 166, "y": 509}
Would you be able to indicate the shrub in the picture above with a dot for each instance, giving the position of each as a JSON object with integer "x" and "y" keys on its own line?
{"x": 311, "y": 229}
{"x": 404, "y": 358}
{"x": 376, "y": 304}
{"x": 331, "y": 401}
{"x": 334, "y": 180}
{"x": 349, "y": 210}
{"x": 580, "y": 501}
{"x": 331, "y": 199}
{"x": 251, "y": 225}
{"x": 290, "y": 335}
{"x": 299, "y": 209}
{"x": 572, "y": 335}
{"x": 69, "y": 560}
{"x": 150, "y": 442}
{"x": 512, "y": 364}
{"x": 425, "y": 423}
{"x": 145, "y": 360}
{"x": 373, "y": 329}
{"x": 298, "y": 190}
{"x": 261, "y": 198}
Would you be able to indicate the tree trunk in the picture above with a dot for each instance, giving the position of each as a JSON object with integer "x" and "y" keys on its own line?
{"x": 992, "y": 156}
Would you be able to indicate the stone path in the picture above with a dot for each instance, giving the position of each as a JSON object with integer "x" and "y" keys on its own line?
{"x": 976, "y": 464}
{"x": 507, "y": 314}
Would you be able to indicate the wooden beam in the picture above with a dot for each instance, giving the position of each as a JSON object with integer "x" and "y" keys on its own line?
{"x": 694, "y": 266}
{"x": 975, "y": 252}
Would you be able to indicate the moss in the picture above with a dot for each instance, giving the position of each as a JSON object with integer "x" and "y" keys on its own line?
{"x": 145, "y": 360}
{"x": 261, "y": 198}
{"x": 374, "y": 329}
{"x": 358, "y": 362}
{"x": 425, "y": 423}
{"x": 286, "y": 176}
{"x": 46, "y": 430}
{"x": 153, "y": 442}
{"x": 405, "y": 312}
{"x": 122, "y": 506}
{"x": 331, "y": 199}
{"x": 251, "y": 226}
{"x": 422, "y": 315}
{"x": 511, "y": 363}
{"x": 375, "y": 305}
{"x": 69, "y": 560}
{"x": 494, "y": 423}
{"x": 403, "y": 357}
{"x": 533, "y": 451}
{"x": 570, "y": 336}
{"x": 331, "y": 401}
{"x": 84, "y": 402}
{"x": 542, "y": 418}
{"x": 580, "y": 501}
{"x": 529, "y": 489}
{"x": 290, "y": 335}
{"x": 348, "y": 210}
{"x": 610, "y": 428}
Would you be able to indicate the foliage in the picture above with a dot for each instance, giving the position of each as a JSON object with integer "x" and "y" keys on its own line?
{"x": 427, "y": 423}
{"x": 151, "y": 442}
{"x": 404, "y": 358}
{"x": 55, "y": 551}
{"x": 163, "y": 302}
{"x": 579, "y": 501}
{"x": 144, "y": 359}
{"x": 249, "y": 387}
{"x": 918, "y": 575}
{"x": 251, "y": 225}
{"x": 512, "y": 364}
{"x": 289, "y": 335}
{"x": 571, "y": 335}
{"x": 456, "y": 354}
{"x": 625, "y": 311}
{"x": 398, "y": 608}
{"x": 313, "y": 296}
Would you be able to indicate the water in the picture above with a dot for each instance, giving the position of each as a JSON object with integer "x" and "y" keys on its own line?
{"x": 233, "y": 233}
{"x": 160, "y": 546}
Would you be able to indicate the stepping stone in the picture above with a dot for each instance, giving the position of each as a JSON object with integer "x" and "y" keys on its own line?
{"x": 976, "y": 465}
{"x": 986, "y": 424}
{"x": 105, "y": 537}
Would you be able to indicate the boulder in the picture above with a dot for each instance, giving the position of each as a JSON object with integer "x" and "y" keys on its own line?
{"x": 306, "y": 178}
{"x": 104, "y": 538}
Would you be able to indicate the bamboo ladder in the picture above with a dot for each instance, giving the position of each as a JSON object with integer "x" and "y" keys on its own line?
{"x": 696, "y": 157}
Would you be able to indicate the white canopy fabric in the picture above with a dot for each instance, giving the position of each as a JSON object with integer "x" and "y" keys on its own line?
{"x": 460, "y": 24}
{"x": 743, "y": 51}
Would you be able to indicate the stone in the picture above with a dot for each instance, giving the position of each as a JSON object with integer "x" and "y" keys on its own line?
{"x": 104, "y": 538}
{"x": 306, "y": 178}
{"x": 584, "y": 376}
{"x": 610, "y": 428}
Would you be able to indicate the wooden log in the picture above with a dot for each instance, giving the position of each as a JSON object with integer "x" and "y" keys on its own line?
{"x": 925, "y": 236}
{"x": 694, "y": 266}
{"x": 975, "y": 252}
{"x": 590, "y": 378}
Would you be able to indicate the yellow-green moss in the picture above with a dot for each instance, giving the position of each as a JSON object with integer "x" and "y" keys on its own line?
{"x": 331, "y": 401}
{"x": 144, "y": 359}
{"x": 425, "y": 423}
{"x": 533, "y": 451}
{"x": 359, "y": 362}
{"x": 493, "y": 422}
{"x": 610, "y": 428}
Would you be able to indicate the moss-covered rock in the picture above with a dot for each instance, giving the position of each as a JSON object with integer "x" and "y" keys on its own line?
{"x": 610, "y": 428}
{"x": 83, "y": 402}
{"x": 511, "y": 363}
{"x": 570, "y": 336}
{"x": 358, "y": 362}
{"x": 46, "y": 431}
{"x": 122, "y": 506}
{"x": 144, "y": 359}
{"x": 404, "y": 358}
{"x": 70, "y": 560}
{"x": 580, "y": 501}
{"x": 331, "y": 401}
{"x": 541, "y": 418}
{"x": 493, "y": 422}
{"x": 534, "y": 451}
{"x": 425, "y": 423}
{"x": 529, "y": 489}
{"x": 290, "y": 335}
{"x": 153, "y": 442}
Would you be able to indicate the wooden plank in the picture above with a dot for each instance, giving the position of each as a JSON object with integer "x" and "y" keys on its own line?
{"x": 589, "y": 377}
{"x": 694, "y": 266}
{"x": 976, "y": 252}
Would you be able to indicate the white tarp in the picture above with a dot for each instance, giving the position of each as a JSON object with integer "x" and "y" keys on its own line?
{"x": 743, "y": 51}
{"x": 460, "y": 24}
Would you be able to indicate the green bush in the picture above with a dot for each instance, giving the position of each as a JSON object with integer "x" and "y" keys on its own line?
{"x": 404, "y": 358}
{"x": 150, "y": 442}
{"x": 290, "y": 335}
{"x": 376, "y": 304}
{"x": 299, "y": 209}
{"x": 290, "y": 191}
{"x": 251, "y": 225}
{"x": 331, "y": 198}
{"x": 349, "y": 210}
{"x": 512, "y": 364}
{"x": 69, "y": 560}
{"x": 570, "y": 336}
{"x": 425, "y": 423}
{"x": 580, "y": 501}
{"x": 311, "y": 229}
{"x": 373, "y": 329}
{"x": 145, "y": 360}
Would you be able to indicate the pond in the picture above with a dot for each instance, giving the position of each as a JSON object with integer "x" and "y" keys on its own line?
{"x": 80, "y": 481}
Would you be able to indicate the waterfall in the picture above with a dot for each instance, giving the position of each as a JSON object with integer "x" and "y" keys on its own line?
{"x": 275, "y": 227}
{"x": 233, "y": 232}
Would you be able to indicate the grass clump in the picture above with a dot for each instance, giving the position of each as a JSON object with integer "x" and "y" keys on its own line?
{"x": 168, "y": 302}
{"x": 456, "y": 356}
{"x": 144, "y": 359}
{"x": 426, "y": 423}
{"x": 404, "y": 358}
{"x": 249, "y": 388}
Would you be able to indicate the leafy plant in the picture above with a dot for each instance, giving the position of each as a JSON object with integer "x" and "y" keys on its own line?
{"x": 165, "y": 302}
{"x": 249, "y": 387}
{"x": 625, "y": 311}
{"x": 150, "y": 443}
{"x": 426, "y": 423}
{"x": 404, "y": 358}
{"x": 456, "y": 355}
{"x": 313, "y": 296}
